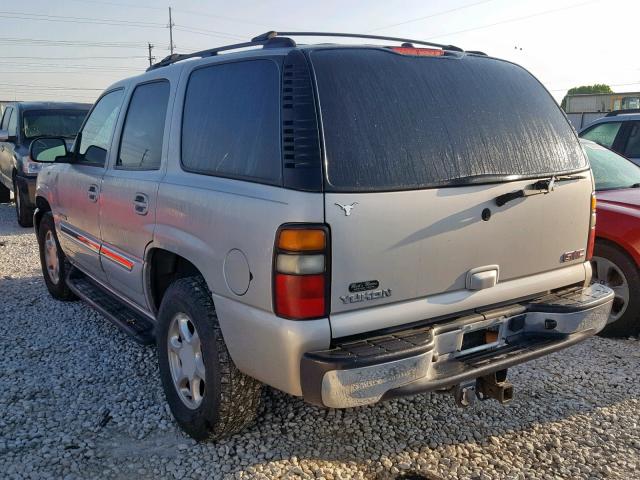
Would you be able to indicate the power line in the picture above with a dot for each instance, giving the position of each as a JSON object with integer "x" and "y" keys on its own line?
{"x": 47, "y": 87}
{"x": 610, "y": 84}
{"x": 116, "y": 76}
{"x": 65, "y": 19}
{"x": 188, "y": 12}
{"x": 55, "y": 65}
{"x": 210, "y": 33}
{"x": 151, "y": 57}
{"x": 171, "y": 25}
{"x": 88, "y": 43}
{"x": 516, "y": 19}
{"x": 130, "y": 57}
{"x": 462, "y": 7}
{"x": 115, "y": 4}
{"x": 221, "y": 17}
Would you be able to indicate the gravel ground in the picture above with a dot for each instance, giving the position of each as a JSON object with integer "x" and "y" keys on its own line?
{"x": 78, "y": 399}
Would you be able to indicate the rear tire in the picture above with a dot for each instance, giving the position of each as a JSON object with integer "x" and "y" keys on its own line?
{"x": 23, "y": 212}
{"x": 613, "y": 267}
{"x": 51, "y": 255}
{"x": 5, "y": 194}
{"x": 208, "y": 396}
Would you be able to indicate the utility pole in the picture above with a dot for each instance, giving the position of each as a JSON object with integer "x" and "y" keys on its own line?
{"x": 151, "y": 58}
{"x": 171, "y": 25}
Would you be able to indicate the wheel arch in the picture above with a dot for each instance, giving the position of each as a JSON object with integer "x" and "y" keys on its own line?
{"x": 620, "y": 244}
{"x": 42, "y": 207}
{"x": 163, "y": 267}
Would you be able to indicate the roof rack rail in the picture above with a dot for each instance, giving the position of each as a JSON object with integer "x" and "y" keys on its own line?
{"x": 280, "y": 42}
{"x": 622, "y": 112}
{"x": 273, "y": 34}
{"x": 274, "y": 39}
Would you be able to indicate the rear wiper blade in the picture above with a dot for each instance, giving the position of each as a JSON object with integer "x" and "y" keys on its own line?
{"x": 541, "y": 187}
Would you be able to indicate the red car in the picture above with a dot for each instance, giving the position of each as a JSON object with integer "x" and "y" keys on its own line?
{"x": 616, "y": 258}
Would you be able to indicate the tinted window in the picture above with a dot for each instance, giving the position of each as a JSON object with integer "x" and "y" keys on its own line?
{"x": 396, "y": 122}
{"x": 610, "y": 170}
{"x": 5, "y": 118}
{"x": 604, "y": 134}
{"x": 13, "y": 124}
{"x": 143, "y": 131}
{"x": 230, "y": 123}
{"x": 633, "y": 143}
{"x": 98, "y": 130}
{"x": 54, "y": 123}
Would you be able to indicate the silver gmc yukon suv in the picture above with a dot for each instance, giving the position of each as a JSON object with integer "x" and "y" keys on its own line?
{"x": 345, "y": 223}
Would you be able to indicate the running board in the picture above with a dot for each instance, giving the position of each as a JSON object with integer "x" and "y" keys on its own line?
{"x": 139, "y": 327}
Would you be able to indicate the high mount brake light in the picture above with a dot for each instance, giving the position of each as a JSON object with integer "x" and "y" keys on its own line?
{"x": 592, "y": 227}
{"x": 418, "y": 52}
{"x": 300, "y": 273}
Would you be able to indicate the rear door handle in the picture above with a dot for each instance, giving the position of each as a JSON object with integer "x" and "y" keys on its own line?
{"x": 141, "y": 204}
{"x": 93, "y": 192}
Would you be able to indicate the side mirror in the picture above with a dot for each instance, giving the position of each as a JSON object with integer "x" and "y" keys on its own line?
{"x": 49, "y": 150}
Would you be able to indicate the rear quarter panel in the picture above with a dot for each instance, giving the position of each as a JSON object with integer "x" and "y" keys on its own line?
{"x": 203, "y": 218}
{"x": 621, "y": 225}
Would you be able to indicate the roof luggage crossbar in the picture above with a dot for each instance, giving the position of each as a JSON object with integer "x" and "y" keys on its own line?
{"x": 622, "y": 112}
{"x": 279, "y": 39}
{"x": 272, "y": 34}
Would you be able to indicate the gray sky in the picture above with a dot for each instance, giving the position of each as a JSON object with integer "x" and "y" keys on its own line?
{"x": 73, "y": 49}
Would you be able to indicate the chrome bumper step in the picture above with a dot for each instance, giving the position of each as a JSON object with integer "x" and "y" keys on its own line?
{"x": 440, "y": 356}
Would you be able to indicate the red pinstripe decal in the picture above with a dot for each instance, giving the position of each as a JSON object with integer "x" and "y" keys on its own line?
{"x": 119, "y": 259}
{"x": 88, "y": 242}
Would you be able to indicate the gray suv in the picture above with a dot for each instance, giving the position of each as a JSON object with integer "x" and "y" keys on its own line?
{"x": 21, "y": 123}
{"x": 345, "y": 223}
{"x": 619, "y": 131}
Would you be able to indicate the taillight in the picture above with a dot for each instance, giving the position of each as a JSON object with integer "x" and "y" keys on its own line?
{"x": 300, "y": 272}
{"x": 592, "y": 228}
{"x": 418, "y": 52}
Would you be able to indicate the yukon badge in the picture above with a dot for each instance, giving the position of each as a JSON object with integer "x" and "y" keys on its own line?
{"x": 366, "y": 296}
{"x": 347, "y": 208}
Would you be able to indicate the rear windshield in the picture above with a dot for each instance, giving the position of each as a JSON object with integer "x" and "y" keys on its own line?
{"x": 397, "y": 122}
{"x": 55, "y": 123}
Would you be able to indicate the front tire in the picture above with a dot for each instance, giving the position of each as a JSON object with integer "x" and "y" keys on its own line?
{"x": 55, "y": 265}
{"x": 23, "y": 212}
{"x": 208, "y": 396}
{"x": 614, "y": 268}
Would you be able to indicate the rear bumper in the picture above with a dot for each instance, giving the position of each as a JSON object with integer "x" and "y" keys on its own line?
{"x": 440, "y": 356}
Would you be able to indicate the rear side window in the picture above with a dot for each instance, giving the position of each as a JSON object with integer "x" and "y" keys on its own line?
{"x": 397, "y": 122}
{"x": 230, "y": 124}
{"x": 604, "y": 134}
{"x": 143, "y": 131}
{"x": 633, "y": 143}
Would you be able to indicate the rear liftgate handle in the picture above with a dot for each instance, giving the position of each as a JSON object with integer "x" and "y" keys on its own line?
{"x": 482, "y": 277}
{"x": 141, "y": 204}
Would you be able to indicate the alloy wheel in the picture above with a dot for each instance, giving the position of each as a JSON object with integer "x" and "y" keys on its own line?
{"x": 608, "y": 273}
{"x": 185, "y": 360}
{"x": 51, "y": 259}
